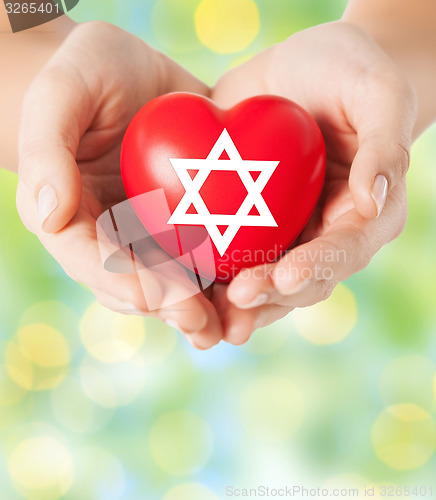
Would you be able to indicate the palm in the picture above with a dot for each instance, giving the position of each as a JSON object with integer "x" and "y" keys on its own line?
{"x": 98, "y": 154}
{"x": 87, "y": 99}
{"x": 101, "y": 179}
{"x": 344, "y": 81}
{"x": 88, "y": 95}
{"x": 336, "y": 197}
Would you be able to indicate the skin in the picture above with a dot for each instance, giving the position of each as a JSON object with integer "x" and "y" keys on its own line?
{"x": 73, "y": 123}
{"x": 405, "y": 31}
{"x": 361, "y": 142}
{"x": 89, "y": 111}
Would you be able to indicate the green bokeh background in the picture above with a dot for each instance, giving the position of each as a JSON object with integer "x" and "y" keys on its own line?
{"x": 281, "y": 410}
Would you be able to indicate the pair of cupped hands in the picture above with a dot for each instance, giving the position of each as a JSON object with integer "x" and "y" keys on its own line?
{"x": 76, "y": 112}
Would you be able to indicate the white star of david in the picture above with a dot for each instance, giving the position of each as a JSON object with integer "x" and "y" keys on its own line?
{"x": 253, "y": 199}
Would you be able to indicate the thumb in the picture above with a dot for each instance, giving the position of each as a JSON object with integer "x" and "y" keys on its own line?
{"x": 384, "y": 129}
{"x": 51, "y": 127}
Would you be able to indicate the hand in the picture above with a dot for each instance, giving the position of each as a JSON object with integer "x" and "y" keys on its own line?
{"x": 74, "y": 117}
{"x": 366, "y": 111}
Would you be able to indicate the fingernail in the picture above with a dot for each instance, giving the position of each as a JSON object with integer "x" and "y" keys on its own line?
{"x": 47, "y": 202}
{"x": 379, "y": 192}
{"x": 261, "y": 299}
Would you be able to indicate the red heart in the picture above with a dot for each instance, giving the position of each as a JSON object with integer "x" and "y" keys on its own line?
{"x": 177, "y": 137}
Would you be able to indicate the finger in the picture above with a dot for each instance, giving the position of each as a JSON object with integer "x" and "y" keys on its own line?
{"x": 212, "y": 333}
{"x": 194, "y": 316}
{"x": 383, "y": 117}
{"x": 255, "y": 287}
{"x": 165, "y": 296}
{"x": 206, "y": 338}
{"x": 226, "y": 93}
{"x": 178, "y": 295}
{"x": 184, "y": 306}
{"x": 77, "y": 251}
{"x": 251, "y": 287}
{"x": 238, "y": 324}
{"x": 144, "y": 291}
{"x": 270, "y": 313}
{"x": 309, "y": 273}
{"x": 116, "y": 305}
{"x": 186, "y": 313}
{"x": 57, "y": 110}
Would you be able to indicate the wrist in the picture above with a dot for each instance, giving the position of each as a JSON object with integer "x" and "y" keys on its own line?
{"x": 22, "y": 55}
{"x": 411, "y": 51}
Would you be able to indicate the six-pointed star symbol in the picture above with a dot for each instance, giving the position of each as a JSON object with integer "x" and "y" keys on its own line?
{"x": 253, "y": 199}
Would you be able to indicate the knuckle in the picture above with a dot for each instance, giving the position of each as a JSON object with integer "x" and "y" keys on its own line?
{"x": 397, "y": 155}
{"x": 358, "y": 248}
{"x": 322, "y": 291}
{"x": 362, "y": 250}
{"x": 325, "y": 289}
{"x": 401, "y": 157}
